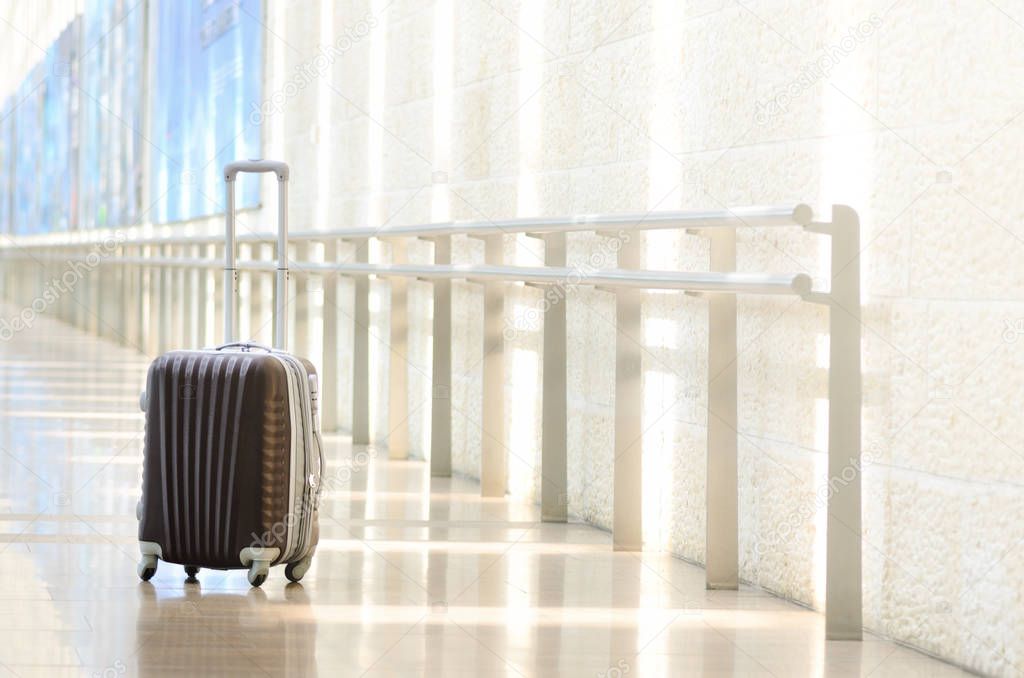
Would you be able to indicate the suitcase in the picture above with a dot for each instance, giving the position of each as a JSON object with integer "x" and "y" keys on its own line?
{"x": 233, "y": 455}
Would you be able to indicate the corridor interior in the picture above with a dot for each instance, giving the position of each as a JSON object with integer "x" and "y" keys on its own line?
{"x": 413, "y": 575}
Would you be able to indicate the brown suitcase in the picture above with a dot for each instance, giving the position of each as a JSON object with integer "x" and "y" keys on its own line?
{"x": 233, "y": 456}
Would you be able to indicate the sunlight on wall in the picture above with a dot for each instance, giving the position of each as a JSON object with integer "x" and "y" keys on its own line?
{"x": 661, "y": 333}
{"x": 525, "y": 364}
{"x": 375, "y": 145}
{"x": 531, "y": 71}
{"x": 444, "y": 78}
{"x": 665, "y": 172}
{"x": 522, "y": 436}
{"x": 324, "y": 97}
{"x": 661, "y": 389}
{"x": 379, "y": 350}
{"x": 847, "y": 175}
{"x": 664, "y": 192}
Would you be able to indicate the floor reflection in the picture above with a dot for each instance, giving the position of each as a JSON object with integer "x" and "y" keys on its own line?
{"x": 414, "y": 575}
{"x": 265, "y": 633}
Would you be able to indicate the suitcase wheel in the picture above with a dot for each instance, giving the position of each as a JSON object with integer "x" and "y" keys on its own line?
{"x": 295, "y": 571}
{"x": 147, "y": 567}
{"x": 191, "y": 571}
{"x": 258, "y": 572}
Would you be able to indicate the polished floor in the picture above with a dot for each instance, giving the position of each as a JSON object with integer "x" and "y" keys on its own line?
{"x": 413, "y": 576}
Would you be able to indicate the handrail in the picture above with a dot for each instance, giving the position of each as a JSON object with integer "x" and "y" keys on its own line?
{"x": 142, "y": 289}
{"x": 736, "y": 283}
{"x": 790, "y": 215}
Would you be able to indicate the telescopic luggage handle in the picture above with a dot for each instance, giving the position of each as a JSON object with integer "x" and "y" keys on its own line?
{"x": 231, "y": 170}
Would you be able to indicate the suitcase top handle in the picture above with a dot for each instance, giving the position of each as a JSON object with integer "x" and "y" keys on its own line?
{"x": 231, "y": 170}
{"x": 245, "y": 346}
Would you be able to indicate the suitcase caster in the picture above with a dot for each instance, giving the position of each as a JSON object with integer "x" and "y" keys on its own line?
{"x": 191, "y": 571}
{"x": 258, "y": 558}
{"x": 147, "y": 567}
{"x": 297, "y": 570}
{"x": 258, "y": 572}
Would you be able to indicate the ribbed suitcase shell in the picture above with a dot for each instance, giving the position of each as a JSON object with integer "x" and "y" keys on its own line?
{"x": 216, "y": 473}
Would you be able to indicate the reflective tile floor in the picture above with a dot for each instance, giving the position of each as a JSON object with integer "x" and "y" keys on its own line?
{"x": 413, "y": 576}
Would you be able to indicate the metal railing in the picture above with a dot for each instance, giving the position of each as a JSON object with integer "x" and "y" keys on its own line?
{"x": 136, "y": 279}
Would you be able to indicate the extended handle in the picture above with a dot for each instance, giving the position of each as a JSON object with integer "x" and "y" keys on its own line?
{"x": 231, "y": 170}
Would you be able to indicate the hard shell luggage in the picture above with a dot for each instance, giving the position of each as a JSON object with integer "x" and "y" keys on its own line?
{"x": 233, "y": 455}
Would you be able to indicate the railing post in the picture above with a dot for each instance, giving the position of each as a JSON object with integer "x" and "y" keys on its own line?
{"x": 264, "y": 295}
{"x": 329, "y": 386}
{"x": 721, "y": 496}
{"x": 493, "y": 461}
{"x": 81, "y": 297}
{"x": 554, "y": 500}
{"x": 301, "y": 284}
{"x": 151, "y": 292}
{"x": 201, "y": 299}
{"x": 843, "y": 596}
{"x": 398, "y": 379}
{"x": 218, "y": 297}
{"x": 166, "y": 302}
{"x": 361, "y": 348}
{"x": 627, "y": 510}
{"x": 94, "y": 299}
{"x": 133, "y": 299}
{"x": 441, "y": 374}
{"x": 188, "y": 300}
{"x": 178, "y": 308}
{"x": 247, "y": 304}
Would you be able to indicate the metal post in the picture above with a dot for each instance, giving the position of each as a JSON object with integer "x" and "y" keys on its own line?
{"x": 165, "y": 339}
{"x": 202, "y": 300}
{"x": 190, "y": 282}
{"x": 281, "y": 278}
{"x": 94, "y": 299}
{"x": 441, "y": 375}
{"x": 398, "y": 385}
{"x": 329, "y": 386}
{"x": 248, "y": 301}
{"x": 627, "y": 511}
{"x": 81, "y": 297}
{"x": 554, "y": 499}
{"x": 302, "y": 305}
{"x": 133, "y": 300}
{"x": 230, "y": 283}
{"x": 721, "y": 495}
{"x": 151, "y": 281}
{"x": 219, "y": 297}
{"x": 179, "y": 307}
{"x": 361, "y": 349}
{"x": 843, "y": 597}
{"x": 493, "y": 461}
